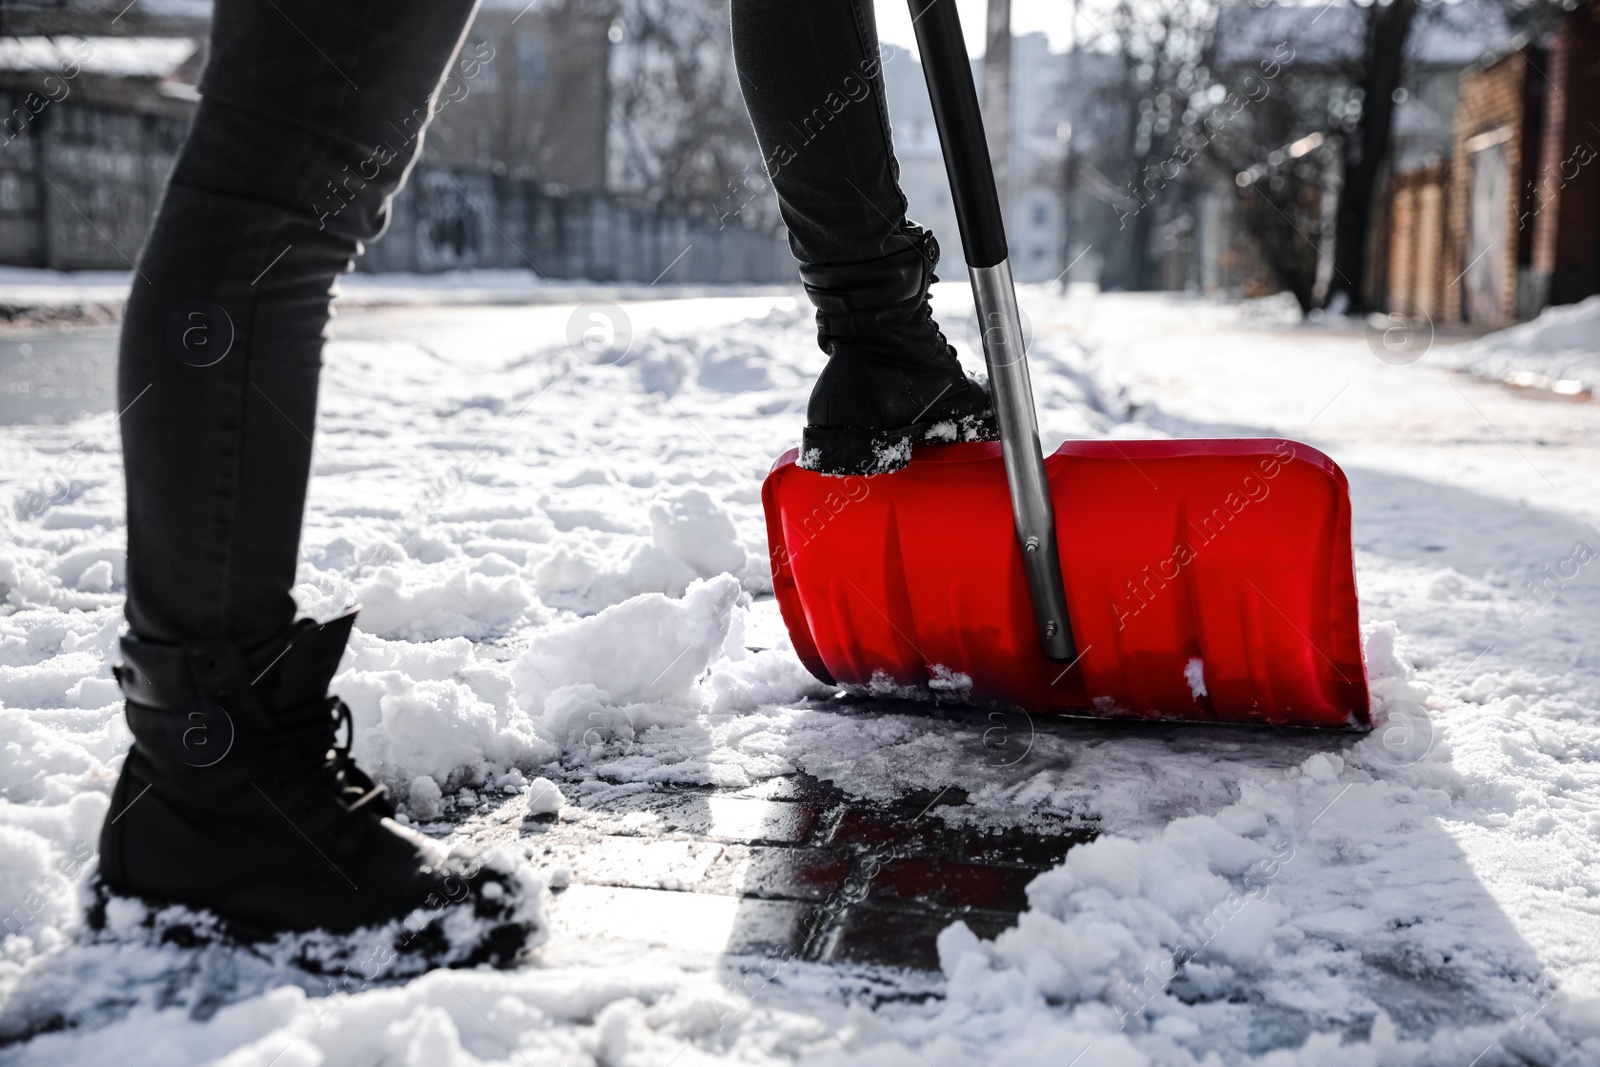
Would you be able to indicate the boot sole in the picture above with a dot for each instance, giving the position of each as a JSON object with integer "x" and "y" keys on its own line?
{"x": 843, "y": 451}
{"x": 396, "y": 950}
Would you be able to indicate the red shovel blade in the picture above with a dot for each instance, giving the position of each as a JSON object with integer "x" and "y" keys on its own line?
{"x": 1206, "y": 580}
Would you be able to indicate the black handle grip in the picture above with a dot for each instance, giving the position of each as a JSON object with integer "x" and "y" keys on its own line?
{"x": 960, "y": 123}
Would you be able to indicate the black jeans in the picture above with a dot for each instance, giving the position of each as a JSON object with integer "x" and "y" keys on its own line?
{"x": 312, "y": 115}
{"x": 812, "y": 79}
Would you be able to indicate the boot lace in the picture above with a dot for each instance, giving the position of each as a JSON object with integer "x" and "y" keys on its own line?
{"x": 332, "y": 766}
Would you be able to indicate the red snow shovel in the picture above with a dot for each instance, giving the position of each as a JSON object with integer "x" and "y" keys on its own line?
{"x": 1192, "y": 580}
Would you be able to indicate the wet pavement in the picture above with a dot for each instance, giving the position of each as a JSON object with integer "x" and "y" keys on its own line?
{"x": 794, "y": 869}
{"x": 791, "y": 868}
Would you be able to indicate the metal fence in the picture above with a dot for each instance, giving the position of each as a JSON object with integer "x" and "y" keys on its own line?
{"x": 79, "y": 185}
{"x": 450, "y": 219}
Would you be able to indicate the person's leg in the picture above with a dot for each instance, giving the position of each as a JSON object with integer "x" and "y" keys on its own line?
{"x": 239, "y": 795}
{"x": 812, "y": 79}
{"x": 311, "y": 116}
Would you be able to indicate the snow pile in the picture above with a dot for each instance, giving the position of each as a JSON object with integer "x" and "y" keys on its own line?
{"x": 691, "y": 537}
{"x": 435, "y": 710}
{"x": 438, "y": 717}
{"x": 1164, "y": 948}
{"x": 1559, "y": 351}
{"x": 441, "y": 605}
{"x": 650, "y": 649}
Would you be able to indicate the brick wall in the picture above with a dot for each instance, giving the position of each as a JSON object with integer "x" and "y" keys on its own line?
{"x": 1419, "y": 246}
{"x": 1491, "y": 109}
{"x": 1565, "y": 211}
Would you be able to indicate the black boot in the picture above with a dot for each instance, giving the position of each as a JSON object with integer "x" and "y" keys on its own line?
{"x": 892, "y": 379}
{"x": 239, "y": 798}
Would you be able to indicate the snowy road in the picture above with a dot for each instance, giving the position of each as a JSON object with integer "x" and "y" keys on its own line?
{"x": 510, "y": 509}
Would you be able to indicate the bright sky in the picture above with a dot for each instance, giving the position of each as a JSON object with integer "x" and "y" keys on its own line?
{"x": 1027, "y": 16}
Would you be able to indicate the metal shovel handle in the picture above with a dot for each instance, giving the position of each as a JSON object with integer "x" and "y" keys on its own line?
{"x": 983, "y": 239}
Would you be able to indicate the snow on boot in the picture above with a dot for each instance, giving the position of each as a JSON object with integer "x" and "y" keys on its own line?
{"x": 892, "y": 379}
{"x": 239, "y": 798}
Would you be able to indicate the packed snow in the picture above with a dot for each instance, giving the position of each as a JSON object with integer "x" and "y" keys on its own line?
{"x": 1559, "y": 351}
{"x": 563, "y": 570}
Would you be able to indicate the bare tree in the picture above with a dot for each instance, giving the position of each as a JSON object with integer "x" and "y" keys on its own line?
{"x": 1162, "y": 43}
{"x": 1281, "y": 206}
{"x": 679, "y": 131}
{"x": 1271, "y": 130}
{"x": 1346, "y": 93}
{"x": 1366, "y": 151}
{"x": 997, "y": 94}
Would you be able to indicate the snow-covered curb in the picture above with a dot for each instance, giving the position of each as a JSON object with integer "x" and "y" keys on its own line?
{"x": 1559, "y": 351}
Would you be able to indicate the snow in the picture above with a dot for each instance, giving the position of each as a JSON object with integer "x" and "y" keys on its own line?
{"x": 1558, "y": 351}
{"x": 125, "y": 57}
{"x": 39, "y": 289}
{"x": 544, "y": 797}
{"x": 563, "y": 572}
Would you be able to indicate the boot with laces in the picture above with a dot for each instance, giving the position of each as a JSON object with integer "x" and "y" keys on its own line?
{"x": 892, "y": 380}
{"x": 240, "y": 798}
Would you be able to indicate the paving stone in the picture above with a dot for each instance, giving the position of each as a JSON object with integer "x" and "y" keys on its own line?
{"x": 743, "y": 819}
{"x": 799, "y": 787}
{"x": 921, "y": 801}
{"x": 886, "y": 830}
{"x": 951, "y": 885}
{"x": 900, "y": 937}
{"x": 645, "y": 864}
{"x": 719, "y": 816}
{"x": 696, "y": 922}
{"x": 1016, "y": 845}
{"x": 789, "y": 866}
{"x": 871, "y": 830}
{"x": 795, "y": 873}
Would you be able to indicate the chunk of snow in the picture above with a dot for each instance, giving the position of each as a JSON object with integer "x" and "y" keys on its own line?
{"x": 544, "y": 797}
{"x": 695, "y": 529}
{"x": 433, "y": 602}
{"x": 943, "y": 678}
{"x": 424, "y": 798}
{"x": 648, "y": 649}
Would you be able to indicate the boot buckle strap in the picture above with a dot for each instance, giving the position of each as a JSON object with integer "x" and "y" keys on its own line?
{"x": 837, "y": 325}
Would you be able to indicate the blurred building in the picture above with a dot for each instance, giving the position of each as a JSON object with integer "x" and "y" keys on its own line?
{"x": 1326, "y": 43}
{"x": 1059, "y": 107}
{"x": 528, "y": 95}
{"x": 1036, "y": 201}
{"x": 514, "y": 172}
{"x": 1509, "y": 222}
{"x": 90, "y": 128}
{"x": 916, "y": 147}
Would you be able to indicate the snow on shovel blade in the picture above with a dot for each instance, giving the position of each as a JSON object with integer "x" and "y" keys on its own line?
{"x": 1206, "y": 581}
